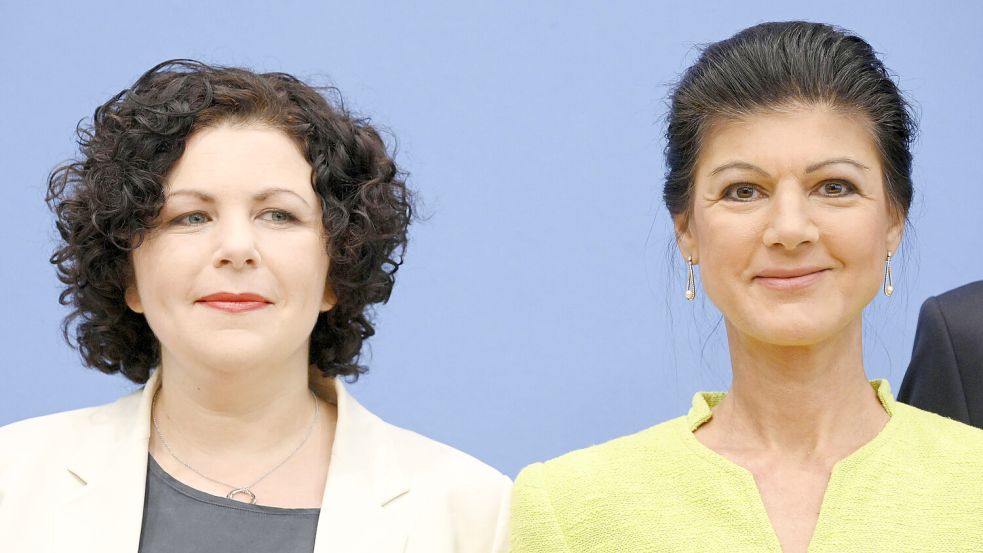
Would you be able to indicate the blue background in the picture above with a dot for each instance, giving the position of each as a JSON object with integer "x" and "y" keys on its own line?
{"x": 539, "y": 310}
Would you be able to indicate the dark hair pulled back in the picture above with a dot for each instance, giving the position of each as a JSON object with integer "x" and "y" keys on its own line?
{"x": 775, "y": 65}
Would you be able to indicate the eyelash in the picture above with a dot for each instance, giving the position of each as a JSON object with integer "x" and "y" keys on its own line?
{"x": 181, "y": 220}
{"x": 848, "y": 189}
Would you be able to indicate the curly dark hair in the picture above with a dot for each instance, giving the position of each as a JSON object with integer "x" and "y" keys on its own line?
{"x": 105, "y": 203}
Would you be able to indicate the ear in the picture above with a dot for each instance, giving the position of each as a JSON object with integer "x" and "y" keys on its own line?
{"x": 685, "y": 238}
{"x": 330, "y": 299}
{"x": 894, "y": 233}
{"x": 132, "y": 297}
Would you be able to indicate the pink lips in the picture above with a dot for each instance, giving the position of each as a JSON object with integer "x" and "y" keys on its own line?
{"x": 794, "y": 279}
{"x": 234, "y": 303}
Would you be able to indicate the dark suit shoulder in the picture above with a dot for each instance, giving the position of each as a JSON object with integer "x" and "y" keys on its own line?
{"x": 945, "y": 375}
{"x": 971, "y": 293}
{"x": 962, "y": 309}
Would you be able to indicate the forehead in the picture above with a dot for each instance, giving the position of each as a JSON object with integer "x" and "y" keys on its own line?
{"x": 238, "y": 159}
{"x": 789, "y": 140}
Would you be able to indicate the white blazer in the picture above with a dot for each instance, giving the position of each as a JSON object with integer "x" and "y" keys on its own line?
{"x": 75, "y": 482}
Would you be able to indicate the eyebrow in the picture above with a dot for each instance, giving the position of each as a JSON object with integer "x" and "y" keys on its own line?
{"x": 259, "y": 196}
{"x": 848, "y": 161}
{"x": 739, "y": 165}
{"x": 810, "y": 169}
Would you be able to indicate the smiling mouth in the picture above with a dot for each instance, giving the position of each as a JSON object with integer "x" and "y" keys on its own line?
{"x": 234, "y": 302}
{"x": 792, "y": 282}
{"x": 235, "y": 306}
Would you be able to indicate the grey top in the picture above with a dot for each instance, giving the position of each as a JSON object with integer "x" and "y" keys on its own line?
{"x": 179, "y": 518}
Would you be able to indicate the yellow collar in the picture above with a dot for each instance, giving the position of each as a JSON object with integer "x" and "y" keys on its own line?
{"x": 700, "y": 411}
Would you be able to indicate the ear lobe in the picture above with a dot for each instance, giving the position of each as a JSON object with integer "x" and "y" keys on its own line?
{"x": 329, "y": 300}
{"x": 132, "y": 297}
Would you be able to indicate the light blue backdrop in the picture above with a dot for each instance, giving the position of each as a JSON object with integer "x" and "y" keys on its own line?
{"x": 536, "y": 312}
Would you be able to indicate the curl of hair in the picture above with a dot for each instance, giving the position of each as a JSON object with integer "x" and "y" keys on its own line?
{"x": 772, "y": 66}
{"x": 105, "y": 203}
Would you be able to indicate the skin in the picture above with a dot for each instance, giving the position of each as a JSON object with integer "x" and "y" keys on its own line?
{"x": 791, "y": 338}
{"x": 234, "y": 398}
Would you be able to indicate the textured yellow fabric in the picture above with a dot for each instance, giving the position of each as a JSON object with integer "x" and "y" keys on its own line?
{"x": 916, "y": 487}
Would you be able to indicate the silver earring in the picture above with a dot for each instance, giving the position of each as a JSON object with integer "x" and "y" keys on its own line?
{"x": 888, "y": 280}
{"x": 690, "y": 280}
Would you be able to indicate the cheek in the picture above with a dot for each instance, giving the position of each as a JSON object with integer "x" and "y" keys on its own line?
{"x": 727, "y": 243}
{"x": 857, "y": 242}
{"x": 147, "y": 277}
{"x": 301, "y": 265}
{"x": 163, "y": 267}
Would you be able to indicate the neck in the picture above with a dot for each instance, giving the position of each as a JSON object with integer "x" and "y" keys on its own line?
{"x": 250, "y": 409}
{"x": 811, "y": 399}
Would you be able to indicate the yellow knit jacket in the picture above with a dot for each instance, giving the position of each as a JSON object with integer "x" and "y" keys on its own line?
{"x": 916, "y": 487}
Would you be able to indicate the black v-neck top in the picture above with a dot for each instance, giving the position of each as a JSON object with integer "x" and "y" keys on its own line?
{"x": 177, "y": 517}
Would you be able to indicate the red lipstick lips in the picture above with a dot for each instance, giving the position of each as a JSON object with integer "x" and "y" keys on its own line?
{"x": 234, "y": 303}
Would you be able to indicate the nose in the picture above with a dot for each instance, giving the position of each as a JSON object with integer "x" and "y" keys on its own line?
{"x": 790, "y": 222}
{"x": 236, "y": 245}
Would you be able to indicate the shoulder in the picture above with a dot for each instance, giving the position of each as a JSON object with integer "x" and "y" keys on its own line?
{"x": 938, "y": 437}
{"x": 449, "y": 488}
{"x": 960, "y": 309}
{"x": 625, "y": 452}
{"x": 363, "y": 434}
{"x": 931, "y": 470}
{"x": 40, "y": 458}
{"x": 972, "y": 293}
{"x": 30, "y": 439}
{"x": 578, "y": 476}
{"x": 426, "y": 459}
{"x": 593, "y": 493}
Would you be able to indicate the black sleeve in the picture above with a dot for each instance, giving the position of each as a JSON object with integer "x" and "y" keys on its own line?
{"x": 933, "y": 381}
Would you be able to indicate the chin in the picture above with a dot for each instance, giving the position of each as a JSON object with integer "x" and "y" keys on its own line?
{"x": 800, "y": 331}
{"x": 792, "y": 340}
{"x": 231, "y": 354}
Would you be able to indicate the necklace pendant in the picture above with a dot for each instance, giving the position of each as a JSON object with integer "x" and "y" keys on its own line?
{"x": 243, "y": 491}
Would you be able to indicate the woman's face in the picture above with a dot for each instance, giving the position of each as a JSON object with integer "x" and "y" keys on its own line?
{"x": 790, "y": 223}
{"x": 240, "y": 217}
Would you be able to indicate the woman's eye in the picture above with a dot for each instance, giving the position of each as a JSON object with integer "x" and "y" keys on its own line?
{"x": 279, "y": 216}
{"x": 742, "y": 192}
{"x": 192, "y": 219}
{"x": 837, "y": 188}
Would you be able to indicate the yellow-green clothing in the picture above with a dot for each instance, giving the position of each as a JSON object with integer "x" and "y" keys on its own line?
{"x": 916, "y": 487}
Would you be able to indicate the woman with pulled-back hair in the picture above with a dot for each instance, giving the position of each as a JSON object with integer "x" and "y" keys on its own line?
{"x": 224, "y": 236}
{"x": 789, "y": 184}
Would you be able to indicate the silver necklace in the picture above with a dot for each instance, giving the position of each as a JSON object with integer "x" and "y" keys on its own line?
{"x": 236, "y": 490}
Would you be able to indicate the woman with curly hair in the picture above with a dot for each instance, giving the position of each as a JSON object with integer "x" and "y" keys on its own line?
{"x": 224, "y": 235}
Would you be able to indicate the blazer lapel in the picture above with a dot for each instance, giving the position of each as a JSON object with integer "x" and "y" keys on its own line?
{"x": 106, "y": 512}
{"x": 362, "y": 510}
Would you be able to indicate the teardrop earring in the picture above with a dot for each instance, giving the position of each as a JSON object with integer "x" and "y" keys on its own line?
{"x": 690, "y": 280}
{"x": 888, "y": 280}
